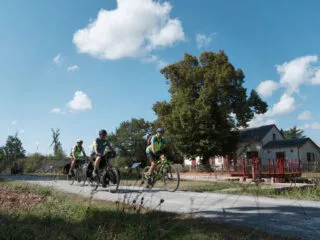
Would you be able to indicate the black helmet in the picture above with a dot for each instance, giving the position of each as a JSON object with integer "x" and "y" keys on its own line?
{"x": 160, "y": 130}
{"x": 103, "y": 132}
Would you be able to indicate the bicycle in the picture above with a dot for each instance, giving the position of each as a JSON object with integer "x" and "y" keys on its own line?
{"x": 108, "y": 176}
{"x": 165, "y": 171}
{"x": 79, "y": 173}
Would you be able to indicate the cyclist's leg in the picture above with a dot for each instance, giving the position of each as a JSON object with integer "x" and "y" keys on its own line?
{"x": 72, "y": 165}
{"x": 152, "y": 160}
{"x": 96, "y": 166}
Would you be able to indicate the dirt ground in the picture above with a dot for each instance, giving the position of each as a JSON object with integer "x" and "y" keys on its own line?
{"x": 17, "y": 199}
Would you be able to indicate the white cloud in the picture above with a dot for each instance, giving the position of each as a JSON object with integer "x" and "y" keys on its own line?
{"x": 314, "y": 125}
{"x": 21, "y": 131}
{"x": 203, "y": 41}
{"x": 73, "y": 68}
{"x": 14, "y": 122}
{"x": 296, "y": 72}
{"x": 150, "y": 59}
{"x": 80, "y": 102}
{"x": 161, "y": 64}
{"x": 260, "y": 120}
{"x": 306, "y": 115}
{"x": 267, "y": 88}
{"x": 57, "y": 59}
{"x": 316, "y": 78}
{"x": 284, "y": 106}
{"x": 134, "y": 29}
{"x": 56, "y": 110}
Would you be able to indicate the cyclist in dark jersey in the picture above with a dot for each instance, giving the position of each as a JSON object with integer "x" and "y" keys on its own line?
{"x": 99, "y": 145}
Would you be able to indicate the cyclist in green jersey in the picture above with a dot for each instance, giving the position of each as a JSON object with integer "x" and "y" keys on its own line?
{"x": 75, "y": 154}
{"x": 156, "y": 149}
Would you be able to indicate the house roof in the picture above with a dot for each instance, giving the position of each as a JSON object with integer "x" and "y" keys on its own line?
{"x": 297, "y": 142}
{"x": 254, "y": 134}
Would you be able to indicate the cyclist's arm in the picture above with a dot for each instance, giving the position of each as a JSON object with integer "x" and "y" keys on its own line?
{"x": 84, "y": 153}
{"x": 95, "y": 147}
{"x": 153, "y": 148}
{"x": 73, "y": 150}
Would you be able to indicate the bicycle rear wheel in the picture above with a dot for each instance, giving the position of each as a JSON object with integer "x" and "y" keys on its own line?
{"x": 171, "y": 177}
{"x": 114, "y": 179}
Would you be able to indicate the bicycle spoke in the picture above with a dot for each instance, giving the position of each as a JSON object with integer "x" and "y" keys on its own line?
{"x": 171, "y": 178}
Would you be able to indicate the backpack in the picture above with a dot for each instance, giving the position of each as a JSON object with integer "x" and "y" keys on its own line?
{"x": 149, "y": 139}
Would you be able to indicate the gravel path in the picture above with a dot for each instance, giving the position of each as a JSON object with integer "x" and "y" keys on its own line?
{"x": 288, "y": 217}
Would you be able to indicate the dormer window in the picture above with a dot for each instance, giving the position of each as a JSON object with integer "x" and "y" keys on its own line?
{"x": 274, "y": 137}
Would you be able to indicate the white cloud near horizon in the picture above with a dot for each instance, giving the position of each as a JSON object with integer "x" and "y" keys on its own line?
{"x": 267, "y": 88}
{"x": 133, "y": 29}
{"x": 80, "y": 102}
{"x": 314, "y": 125}
{"x": 73, "y": 68}
{"x": 57, "y": 59}
{"x": 260, "y": 120}
{"x": 304, "y": 116}
{"x": 285, "y": 105}
{"x": 203, "y": 40}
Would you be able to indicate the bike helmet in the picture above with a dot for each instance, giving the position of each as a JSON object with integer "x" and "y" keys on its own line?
{"x": 103, "y": 132}
{"x": 79, "y": 141}
{"x": 160, "y": 130}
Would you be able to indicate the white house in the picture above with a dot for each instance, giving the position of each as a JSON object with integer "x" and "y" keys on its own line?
{"x": 267, "y": 142}
{"x": 252, "y": 141}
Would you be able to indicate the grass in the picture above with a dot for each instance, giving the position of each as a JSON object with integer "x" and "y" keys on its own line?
{"x": 254, "y": 189}
{"x": 65, "y": 216}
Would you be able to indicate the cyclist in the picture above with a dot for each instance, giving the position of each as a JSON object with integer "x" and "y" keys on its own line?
{"x": 99, "y": 145}
{"x": 155, "y": 150}
{"x": 75, "y": 154}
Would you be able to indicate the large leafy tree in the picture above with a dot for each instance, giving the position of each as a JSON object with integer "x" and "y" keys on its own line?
{"x": 208, "y": 103}
{"x": 129, "y": 138}
{"x": 13, "y": 148}
{"x": 293, "y": 133}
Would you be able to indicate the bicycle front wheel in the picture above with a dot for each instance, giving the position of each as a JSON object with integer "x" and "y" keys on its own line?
{"x": 171, "y": 177}
{"x": 70, "y": 179}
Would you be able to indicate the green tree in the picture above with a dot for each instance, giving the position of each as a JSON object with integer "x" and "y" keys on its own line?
{"x": 208, "y": 103}
{"x": 57, "y": 147}
{"x": 13, "y": 148}
{"x": 129, "y": 138}
{"x": 293, "y": 133}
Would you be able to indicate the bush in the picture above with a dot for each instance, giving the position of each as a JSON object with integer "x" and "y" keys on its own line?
{"x": 185, "y": 169}
{"x": 120, "y": 162}
{"x": 205, "y": 168}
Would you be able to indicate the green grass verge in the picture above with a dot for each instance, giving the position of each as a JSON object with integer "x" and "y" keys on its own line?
{"x": 64, "y": 216}
{"x": 255, "y": 189}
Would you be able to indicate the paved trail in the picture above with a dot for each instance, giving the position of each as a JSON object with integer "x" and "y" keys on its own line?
{"x": 289, "y": 217}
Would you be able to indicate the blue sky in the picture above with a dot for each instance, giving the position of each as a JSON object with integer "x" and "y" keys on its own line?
{"x": 85, "y": 65}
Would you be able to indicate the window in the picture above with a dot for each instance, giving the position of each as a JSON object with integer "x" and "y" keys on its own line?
{"x": 252, "y": 154}
{"x": 310, "y": 157}
{"x": 274, "y": 137}
{"x": 280, "y": 155}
